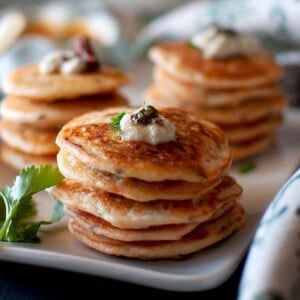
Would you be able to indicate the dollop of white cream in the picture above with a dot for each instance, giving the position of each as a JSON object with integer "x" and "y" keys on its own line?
{"x": 64, "y": 62}
{"x": 153, "y": 133}
{"x": 215, "y": 43}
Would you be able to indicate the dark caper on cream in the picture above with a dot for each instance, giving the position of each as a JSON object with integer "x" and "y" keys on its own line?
{"x": 146, "y": 115}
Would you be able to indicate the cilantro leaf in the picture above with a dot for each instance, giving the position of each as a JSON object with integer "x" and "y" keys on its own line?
{"x": 192, "y": 45}
{"x": 115, "y": 121}
{"x": 18, "y": 205}
{"x": 247, "y": 167}
{"x": 33, "y": 180}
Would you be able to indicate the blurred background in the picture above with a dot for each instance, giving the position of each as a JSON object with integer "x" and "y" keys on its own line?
{"x": 123, "y": 30}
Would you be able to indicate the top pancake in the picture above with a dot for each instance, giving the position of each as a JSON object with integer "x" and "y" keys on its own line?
{"x": 199, "y": 153}
{"x": 27, "y": 81}
{"x": 187, "y": 64}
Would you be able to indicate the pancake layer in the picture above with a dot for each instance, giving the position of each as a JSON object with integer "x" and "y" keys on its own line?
{"x": 27, "y": 81}
{"x": 201, "y": 237}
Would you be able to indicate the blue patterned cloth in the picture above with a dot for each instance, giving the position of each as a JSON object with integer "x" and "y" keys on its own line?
{"x": 272, "y": 269}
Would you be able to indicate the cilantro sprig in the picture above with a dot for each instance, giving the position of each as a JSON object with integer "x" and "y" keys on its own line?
{"x": 247, "y": 167}
{"x": 192, "y": 45}
{"x": 115, "y": 121}
{"x": 17, "y": 205}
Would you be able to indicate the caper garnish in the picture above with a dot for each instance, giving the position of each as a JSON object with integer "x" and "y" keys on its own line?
{"x": 145, "y": 115}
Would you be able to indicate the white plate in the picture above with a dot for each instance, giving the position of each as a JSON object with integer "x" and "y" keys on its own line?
{"x": 205, "y": 270}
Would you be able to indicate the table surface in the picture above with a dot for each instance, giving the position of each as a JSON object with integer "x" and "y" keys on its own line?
{"x": 22, "y": 282}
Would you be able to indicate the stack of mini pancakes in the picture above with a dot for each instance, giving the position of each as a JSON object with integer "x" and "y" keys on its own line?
{"x": 38, "y": 105}
{"x": 138, "y": 200}
{"x": 240, "y": 93}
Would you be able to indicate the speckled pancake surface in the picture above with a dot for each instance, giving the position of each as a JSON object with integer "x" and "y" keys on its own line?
{"x": 28, "y": 139}
{"x": 71, "y": 167}
{"x": 157, "y": 233}
{"x": 186, "y": 92}
{"x": 55, "y": 114}
{"x": 27, "y": 81}
{"x": 187, "y": 64}
{"x": 199, "y": 153}
{"x": 201, "y": 237}
{"x": 125, "y": 213}
{"x": 20, "y": 160}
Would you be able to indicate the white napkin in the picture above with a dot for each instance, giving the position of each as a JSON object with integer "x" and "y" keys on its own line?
{"x": 272, "y": 269}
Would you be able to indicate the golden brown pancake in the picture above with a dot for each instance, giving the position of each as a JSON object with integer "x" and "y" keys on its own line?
{"x": 28, "y": 82}
{"x": 125, "y": 213}
{"x": 199, "y": 153}
{"x": 250, "y": 131}
{"x": 205, "y": 97}
{"x": 157, "y": 233}
{"x": 252, "y": 147}
{"x": 247, "y": 112}
{"x": 55, "y": 114}
{"x": 71, "y": 167}
{"x": 240, "y": 113}
{"x": 201, "y": 237}
{"x": 19, "y": 160}
{"x": 27, "y": 139}
{"x": 187, "y": 64}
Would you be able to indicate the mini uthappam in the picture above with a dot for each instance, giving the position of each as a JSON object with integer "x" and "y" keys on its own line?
{"x": 200, "y": 151}
{"x": 143, "y": 191}
{"x": 187, "y": 64}
{"x": 233, "y": 114}
{"x": 55, "y": 114}
{"x": 27, "y": 81}
{"x": 28, "y": 139}
{"x": 208, "y": 97}
{"x": 201, "y": 237}
{"x": 19, "y": 160}
{"x": 125, "y": 213}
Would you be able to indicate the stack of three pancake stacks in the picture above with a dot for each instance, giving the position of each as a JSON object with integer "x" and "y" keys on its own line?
{"x": 128, "y": 197}
{"x": 41, "y": 98}
{"x": 226, "y": 78}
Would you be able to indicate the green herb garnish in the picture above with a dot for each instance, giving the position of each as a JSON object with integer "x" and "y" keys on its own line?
{"x": 115, "y": 121}
{"x": 118, "y": 72}
{"x": 247, "y": 167}
{"x": 18, "y": 205}
{"x": 192, "y": 45}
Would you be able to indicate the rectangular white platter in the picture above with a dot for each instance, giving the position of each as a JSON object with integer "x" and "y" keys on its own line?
{"x": 207, "y": 269}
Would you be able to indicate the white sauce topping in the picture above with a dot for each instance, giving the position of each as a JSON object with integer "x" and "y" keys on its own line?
{"x": 64, "y": 62}
{"x": 152, "y": 133}
{"x": 217, "y": 44}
